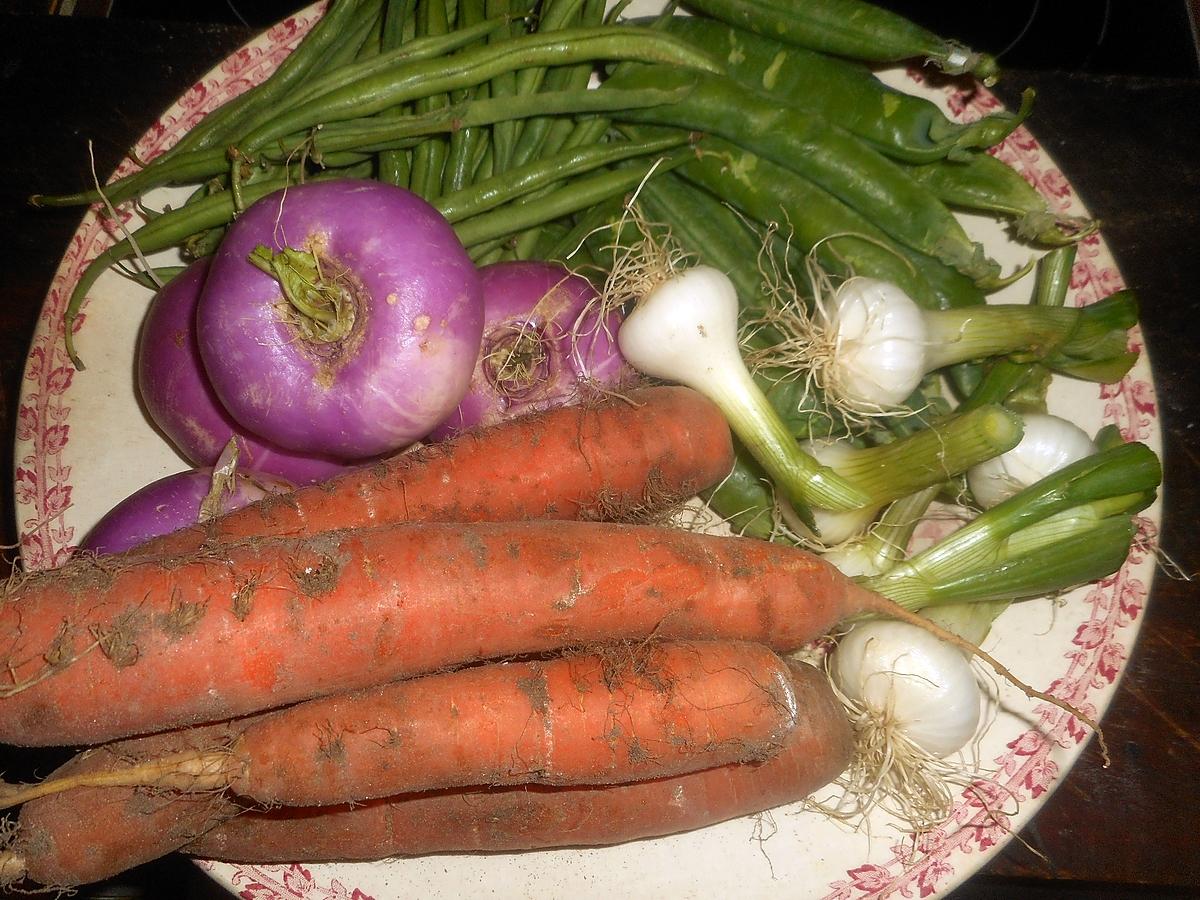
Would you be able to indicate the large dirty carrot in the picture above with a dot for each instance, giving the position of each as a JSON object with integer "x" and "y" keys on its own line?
{"x": 509, "y": 819}
{"x": 626, "y": 712}
{"x": 107, "y": 647}
{"x": 616, "y": 458}
{"x": 93, "y": 833}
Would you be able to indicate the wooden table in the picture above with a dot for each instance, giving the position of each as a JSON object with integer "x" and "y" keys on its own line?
{"x": 1130, "y": 146}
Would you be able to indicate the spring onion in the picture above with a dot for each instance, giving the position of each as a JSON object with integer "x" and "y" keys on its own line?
{"x": 910, "y": 681}
{"x": 919, "y": 460}
{"x": 685, "y": 329}
{"x": 1067, "y": 529}
{"x": 1049, "y": 443}
{"x": 870, "y": 344}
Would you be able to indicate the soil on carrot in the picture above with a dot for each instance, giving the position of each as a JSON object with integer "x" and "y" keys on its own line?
{"x": 330, "y": 745}
{"x": 534, "y": 687}
{"x": 658, "y": 504}
{"x": 320, "y": 579}
{"x": 242, "y": 601}
{"x": 181, "y": 619}
{"x": 119, "y": 640}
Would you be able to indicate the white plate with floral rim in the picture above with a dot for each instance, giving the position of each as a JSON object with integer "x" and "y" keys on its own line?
{"x": 77, "y": 432}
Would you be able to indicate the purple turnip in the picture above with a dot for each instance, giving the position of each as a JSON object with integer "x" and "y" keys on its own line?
{"x": 543, "y": 339}
{"x": 174, "y": 502}
{"x": 340, "y": 317}
{"x": 178, "y": 398}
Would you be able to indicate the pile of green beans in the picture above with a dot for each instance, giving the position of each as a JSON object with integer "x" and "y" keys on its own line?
{"x": 483, "y": 108}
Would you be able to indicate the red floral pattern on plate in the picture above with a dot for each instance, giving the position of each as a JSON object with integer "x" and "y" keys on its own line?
{"x": 922, "y": 866}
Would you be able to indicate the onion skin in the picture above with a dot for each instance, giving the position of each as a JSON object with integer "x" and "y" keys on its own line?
{"x": 543, "y": 305}
{"x": 405, "y": 363}
{"x": 176, "y": 393}
{"x": 166, "y": 505}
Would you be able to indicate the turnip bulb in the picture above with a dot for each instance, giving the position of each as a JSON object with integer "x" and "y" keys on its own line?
{"x": 173, "y": 502}
{"x": 180, "y": 401}
{"x": 340, "y": 317}
{"x": 544, "y": 338}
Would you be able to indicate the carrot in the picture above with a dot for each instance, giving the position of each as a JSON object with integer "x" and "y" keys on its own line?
{"x": 507, "y": 819}
{"x": 616, "y": 458}
{"x": 107, "y": 647}
{"x": 624, "y": 713}
{"x": 93, "y": 833}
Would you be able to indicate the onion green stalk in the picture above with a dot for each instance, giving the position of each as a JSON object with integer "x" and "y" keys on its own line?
{"x": 886, "y": 543}
{"x": 1070, "y": 528}
{"x": 922, "y": 459}
{"x": 1023, "y": 384}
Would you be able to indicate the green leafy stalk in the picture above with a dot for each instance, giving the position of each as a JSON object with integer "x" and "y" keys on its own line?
{"x": 1090, "y": 342}
{"x": 1005, "y": 377}
{"x": 319, "y": 299}
{"x": 928, "y": 456}
{"x": 1069, "y": 528}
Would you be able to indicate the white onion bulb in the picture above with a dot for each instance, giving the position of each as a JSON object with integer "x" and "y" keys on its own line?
{"x": 911, "y": 679}
{"x": 879, "y": 339}
{"x": 1049, "y": 444}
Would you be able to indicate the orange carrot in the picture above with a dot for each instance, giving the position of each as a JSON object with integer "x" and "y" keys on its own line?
{"x": 625, "y": 713}
{"x": 107, "y": 647}
{"x": 646, "y": 450}
{"x": 506, "y": 819}
{"x": 93, "y": 833}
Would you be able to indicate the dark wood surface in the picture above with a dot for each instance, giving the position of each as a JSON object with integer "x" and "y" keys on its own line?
{"x": 1129, "y": 145}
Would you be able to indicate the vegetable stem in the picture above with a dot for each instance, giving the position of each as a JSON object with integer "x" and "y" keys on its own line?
{"x": 1081, "y": 530}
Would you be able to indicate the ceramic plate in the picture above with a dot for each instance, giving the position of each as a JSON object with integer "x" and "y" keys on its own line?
{"x": 83, "y": 444}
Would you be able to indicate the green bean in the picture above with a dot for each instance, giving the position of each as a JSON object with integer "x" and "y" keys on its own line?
{"x": 474, "y": 66}
{"x": 414, "y": 50}
{"x": 372, "y": 41}
{"x": 464, "y": 144}
{"x": 348, "y": 51}
{"x": 897, "y": 124}
{"x": 850, "y": 28}
{"x": 833, "y": 159}
{"x": 502, "y": 84}
{"x": 534, "y": 136}
{"x": 429, "y": 156}
{"x": 843, "y": 241}
{"x": 980, "y": 182}
{"x": 578, "y": 195}
{"x": 395, "y": 165}
{"x": 524, "y": 180}
{"x": 548, "y": 135}
{"x": 552, "y": 15}
{"x": 376, "y": 134}
{"x": 573, "y": 243}
{"x": 326, "y": 35}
